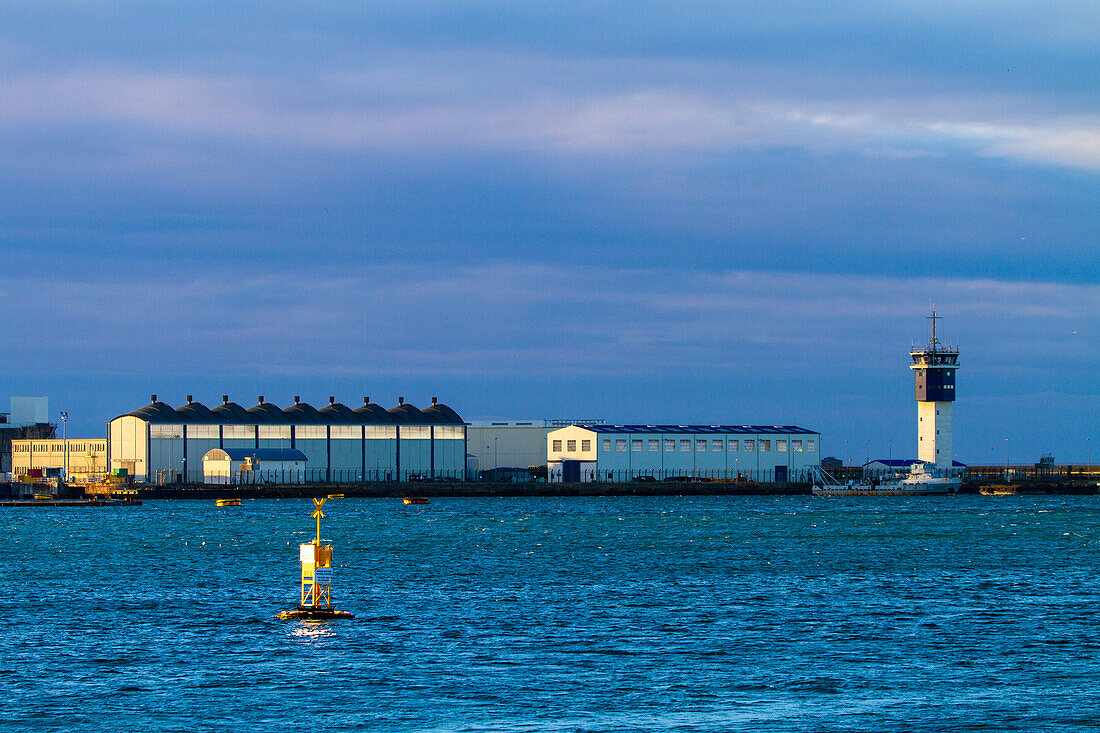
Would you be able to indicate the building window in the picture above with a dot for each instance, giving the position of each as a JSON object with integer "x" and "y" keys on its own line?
{"x": 670, "y": 445}
{"x": 781, "y": 446}
{"x": 716, "y": 445}
{"x": 635, "y": 445}
{"x": 620, "y": 445}
{"x": 750, "y": 446}
{"x": 811, "y": 445}
{"x": 570, "y": 446}
{"x": 607, "y": 444}
{"x": 700, "y": 445}
{"x": 654, "y": 446}
{"x": 586, "y": 445}
{"x": 796, "y": 446}
{"x": 734, "y": 446}
{"x": 556, "y": 446}
{"x": 765, "y": 446}
{"x": 685, "y": 445}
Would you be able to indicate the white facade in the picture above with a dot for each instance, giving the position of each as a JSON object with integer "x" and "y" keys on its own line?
{"x": 28, "y": 411}
{"x": 240, "y": 465}
{"x": 513, "y": 443}
{"x": 86, "y": 458}
{"x": 621, "y": 453}
{"x": 934, "y": 433}
{"x": 158, "y": 444}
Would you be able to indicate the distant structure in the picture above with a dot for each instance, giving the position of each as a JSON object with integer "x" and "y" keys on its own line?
{"x": 934, "y": 368}
{"x": 29, "y": 417}
{"x": 583, "y": 453}
{"x": 162, "y": 444}
{"x": 514, "y": 443}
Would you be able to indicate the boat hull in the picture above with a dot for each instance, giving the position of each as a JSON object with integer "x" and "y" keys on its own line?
{"x": 903, "y": 488}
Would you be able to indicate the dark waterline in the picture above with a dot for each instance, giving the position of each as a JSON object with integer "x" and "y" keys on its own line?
{"x": 536, "y": 614}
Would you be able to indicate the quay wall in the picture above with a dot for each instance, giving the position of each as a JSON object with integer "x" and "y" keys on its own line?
{"x": 439, "y": 489}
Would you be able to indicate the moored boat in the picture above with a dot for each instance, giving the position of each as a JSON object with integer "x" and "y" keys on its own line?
{"x": 919, "y": 481}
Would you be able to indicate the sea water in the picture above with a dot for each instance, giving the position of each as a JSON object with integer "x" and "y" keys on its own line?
{"x": 550, "y": 614}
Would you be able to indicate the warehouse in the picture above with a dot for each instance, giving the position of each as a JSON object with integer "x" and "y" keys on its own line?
{"x": 627, "y": 452}
{"x": 513, "y": 443}
{"x": 253, "y": 465}
{"x": 81, "y": 459}
{"x": 161, "y": 444}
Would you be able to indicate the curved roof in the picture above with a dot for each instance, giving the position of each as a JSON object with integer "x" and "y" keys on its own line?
{"x": 231, "y": 412}
{"x": 406, "y": 413}
{"x": 336, "y": 412}
{"x": 440, "y": 413}
{"x": 156, "y": 412}
{"x": 196, "y": 412}
{"x": 299, "y": 412}
{"x": 303, "y": 412}
{"x": 372, "y": 413}
{"x": 267, "y": 412}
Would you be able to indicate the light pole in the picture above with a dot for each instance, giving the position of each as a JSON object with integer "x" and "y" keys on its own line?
{"x": 1006, "y": 459}
{"x": 496, "y": 457}
{"x": 65, "y": 441}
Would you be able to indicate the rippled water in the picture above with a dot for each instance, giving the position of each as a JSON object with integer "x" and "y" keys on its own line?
{"x": 546, "y": 614}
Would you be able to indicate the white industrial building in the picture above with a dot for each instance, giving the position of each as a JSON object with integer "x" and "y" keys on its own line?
{"x": 513, "y": 443}
{"x": 82, "y": 459}
{"x": 254, "y": 465}
{"x": 162, "y": 444}
{"x": 727, "y": 452}
{"x": 27, "y": 411}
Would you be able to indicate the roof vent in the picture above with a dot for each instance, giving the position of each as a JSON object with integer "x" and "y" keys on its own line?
{"x": 190, "y": 398}
{"x": 366, "y": 400}
{"x": 400, "y": 400}
{"x": 331, "y": 400}
{"x": 261, "y": 399}
{"x": 225, "y": 399}
{"x": 297, "y": 399}
{"x": 152, "y": 398}
{"x": 434, "y": 400}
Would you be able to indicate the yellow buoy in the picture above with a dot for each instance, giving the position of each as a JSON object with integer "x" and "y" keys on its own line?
{"x": 315, "y": 600}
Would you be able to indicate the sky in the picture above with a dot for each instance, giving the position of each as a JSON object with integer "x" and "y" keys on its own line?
{"x": 645, "y": 212}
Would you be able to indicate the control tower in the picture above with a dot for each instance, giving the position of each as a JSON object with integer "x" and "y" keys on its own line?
{"x": 934, "y": 368}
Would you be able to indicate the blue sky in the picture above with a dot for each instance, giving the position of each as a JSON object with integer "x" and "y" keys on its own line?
{"x": 646, "y": 212}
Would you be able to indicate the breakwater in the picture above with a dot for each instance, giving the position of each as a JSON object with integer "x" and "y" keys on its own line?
{"x": 438, "y": 489}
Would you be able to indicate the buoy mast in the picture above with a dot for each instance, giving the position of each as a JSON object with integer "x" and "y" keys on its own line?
{"x": 315, "y": 600}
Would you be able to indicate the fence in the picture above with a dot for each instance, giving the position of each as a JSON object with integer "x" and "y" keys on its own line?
{"x": 760, "y": 475}
{"x": 1024, "y": 474}
{"x": 316, "y": 476}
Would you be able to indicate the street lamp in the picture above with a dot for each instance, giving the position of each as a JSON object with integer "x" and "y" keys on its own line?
{"x": 1006, "y": 459}
{"x": 65, "y": 441}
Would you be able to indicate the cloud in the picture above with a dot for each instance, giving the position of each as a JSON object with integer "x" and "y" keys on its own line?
{"x": 440, "y": 103}
{"x": 515, "y": 318}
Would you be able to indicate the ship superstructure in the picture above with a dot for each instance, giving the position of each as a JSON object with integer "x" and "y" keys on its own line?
{"x": 934, "y": 368}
